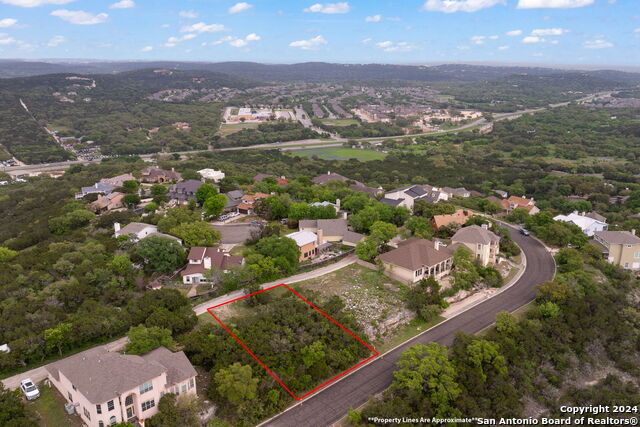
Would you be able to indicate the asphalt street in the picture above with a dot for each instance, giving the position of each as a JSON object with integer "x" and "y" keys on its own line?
{"x": 332, "y": 402}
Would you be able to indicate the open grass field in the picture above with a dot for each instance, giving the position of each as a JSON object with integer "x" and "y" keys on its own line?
{"x": 341, "y": 154}
{"x": 228, "y": 129}
{"x": 340, "y": 122}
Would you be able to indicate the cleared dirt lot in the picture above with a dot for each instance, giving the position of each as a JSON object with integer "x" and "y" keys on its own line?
{"x": 234, "y": 233}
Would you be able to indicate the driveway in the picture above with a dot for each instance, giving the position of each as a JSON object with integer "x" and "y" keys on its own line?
{"x": 235, "y": 234}
{"x": 331, "y": 403}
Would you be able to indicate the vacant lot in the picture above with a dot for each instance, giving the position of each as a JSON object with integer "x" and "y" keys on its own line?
{"x": 340, "y": 122}
{"x": 228, "y": 129}
{"x": 341, "y": 154}
{"x": 375, "y": 299}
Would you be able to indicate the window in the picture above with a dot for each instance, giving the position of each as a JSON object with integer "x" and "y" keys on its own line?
{"x": 636, "y": 255}
{"x": 86, "y": 413}
{"x": 629, "y": 246}
{"x": 479, "y": 247}
{"x": 74, "y": 387}
{"x": 184, "y": 388}
{"x": 161, "y": 394}
{"x": 99, "y": 409}
{"x": 69, "y": 396}
{"x": 192, "y": 383}
{"x": 148, "y": 404}
{"x": 129, "y": 400}
{"x": 112, "y": 421}
{"x": 146, "y": 387}
{"x": 100, "y": 424}
{"x": 110, "y": 405}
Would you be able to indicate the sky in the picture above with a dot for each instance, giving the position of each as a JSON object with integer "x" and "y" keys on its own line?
{"x": 581, "y": 32}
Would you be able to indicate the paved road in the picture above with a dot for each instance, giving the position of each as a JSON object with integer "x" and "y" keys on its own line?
{"x": 332, "y": 403}
{"x": 348, "y": 260}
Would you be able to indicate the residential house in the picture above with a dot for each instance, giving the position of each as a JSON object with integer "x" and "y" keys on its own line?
{"x": 596, "y": 216}
{"x": 323, "y": 179}
{"x": 261, "y": 176}
{"x": 416, "y": 259}
{"x": 5, "y": 348}
{"x": 503, "y": 194}
{"x": 458, "y": 192}
{"x": 515, "y": 202}
{"x": 108, "y": 387}
{"x": 405, "y": 195}
{"x": 620, "y": 248}
{"x": 333, "y": 230}
{"x": 361, "y": 188}
{"x": 138, "y": 231}
{"x": 211, "y": 174}
{"x": 247, "y": 203}
{"x": 483, "y": 243}
{"x": 118, "y": 181}
{"x": 202, "y": 259}
{"x": 97, "y": 188}
{"x": 308, "y": 243}
{"x": 588, "y": 225}
{"x": 154, "y": 174}
{"x": 460, "y": 217}
{"x": 184, "y": 191}
{"x": 234, "y": 197}
{"x": 108, "y": 202}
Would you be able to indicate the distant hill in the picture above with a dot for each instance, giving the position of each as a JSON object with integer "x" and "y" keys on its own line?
{"x": 310, "y": 71}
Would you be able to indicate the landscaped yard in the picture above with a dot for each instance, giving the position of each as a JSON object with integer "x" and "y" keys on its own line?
{"x": 228, "y": 129}
{"x": 49, "y": 408}
{"x": 341, "y": 154}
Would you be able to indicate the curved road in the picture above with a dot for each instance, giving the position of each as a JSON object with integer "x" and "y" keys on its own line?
{"x": 331, "y": 403}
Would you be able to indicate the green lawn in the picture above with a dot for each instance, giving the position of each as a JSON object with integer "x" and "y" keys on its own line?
{"x": 341, "y": 154}
{"x": 228, "y": 129}
{"x": 49, "y": 408}
{"x": 339, "y": 122}
{"x": 406, "y": 332}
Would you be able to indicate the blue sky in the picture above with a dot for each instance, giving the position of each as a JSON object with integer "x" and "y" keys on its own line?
{"x": 582, "y": 32}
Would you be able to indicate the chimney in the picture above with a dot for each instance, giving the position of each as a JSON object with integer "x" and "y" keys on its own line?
{"x": 337, "y": 204}
{"x": 328, "y": 172}
{"x": 436, "y": 245}
{"x": 320, "y": 236}
{"x": 485, "y": 226}
{"x": 633, "y": 231}
{"x": 116, "y": 226}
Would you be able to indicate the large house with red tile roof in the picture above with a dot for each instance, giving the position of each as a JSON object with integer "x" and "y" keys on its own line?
{"x": 515, "y": 202}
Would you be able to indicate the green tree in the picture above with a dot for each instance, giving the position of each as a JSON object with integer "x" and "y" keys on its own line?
{"x": 131, "y": 200}
{"x": 236, "y": 383}
{"x": 485, "y": 357}
{"x": 427, "y": 368}
{"x": 142, "y": 339}
{"x": 176, "y": 411}
{"x": 13, "y": 412}
{"x": 151, "y": 207}
{"x": 7, "y": 254}
{"x": 465, "y": 274}
{"x": 57, "y": 337}
{"x": 367, "y": 248}
{"x": 506, "y": 323}
{"x": 176, "y": 216}
{"x": 198, "y": 233}
{"x": 204, "y": 192}
{"x": 299, "y": 210}
{"x": 160, "y": 254}
{"x": 383, "y": 231}
{"x": 214, "y": 205}
{"x": 159, "y": 193}
{"x": 121, "y": 264}
{"x": 313, "y": 353}
{"x": 419, "y": 227}
{"x": 130, "y": 186}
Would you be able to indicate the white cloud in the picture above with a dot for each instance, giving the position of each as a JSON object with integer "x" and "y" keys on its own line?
{"x": 477, "y": 39}
{"x": 240, "y": 7}
{"x": 451, "y": 6}
{"x": 172, "y": 41}
{"x": 201, "y": 27}
{"x": 235, "y": 41}
{"x": 329, "y": 8}
{"x": 80, "y": 17}
{"x": 514, "y": 33}
{"x": 34, "y": 3}
{"x": 189, "y": 14}
{"x": 310, "y": 44}
{"x": 533, "y": 39}
{"x": 8, "y": 22}
{"x": 5, "y": 39}
{"x": 637, "y": 30}
{"x": 123, "y": 4}
{"x": 147, "y": 49}
{"x": 389, "y": 46}
{"x": 367, "y": 40}
{"x": 503, "y": 48}
{"x": 549, "y": 32}
{"x": 373, "y": 18}
{"x": 238, "y": 43}
{"x": 597, "y": 44}
{"x": 553, "y": 4}
{"x": 252, "y": 37}
{"x": 493, "y": 37}
{"x": 56, "y": 41}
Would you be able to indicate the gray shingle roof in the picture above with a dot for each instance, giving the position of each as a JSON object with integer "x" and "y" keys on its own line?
{"x": 475, "y": 234}
{"x": 100, "y": 375}
{"x": 391, "y": 202}
{"x": 618, "y": 237}
{"x": 415, "y": 253}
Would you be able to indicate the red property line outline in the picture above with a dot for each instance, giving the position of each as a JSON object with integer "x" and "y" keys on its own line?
{"x": 375, "y": 353}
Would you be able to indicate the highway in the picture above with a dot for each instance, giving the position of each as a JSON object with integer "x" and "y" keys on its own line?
{"x": 331, "y": 403}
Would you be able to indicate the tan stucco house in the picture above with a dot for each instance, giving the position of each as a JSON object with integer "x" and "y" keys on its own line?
{"x": 483, "y": 243}
{"x": 620, "y": 248}
{"x": 416, "y": 259}
{"x": 108, "y": 388}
